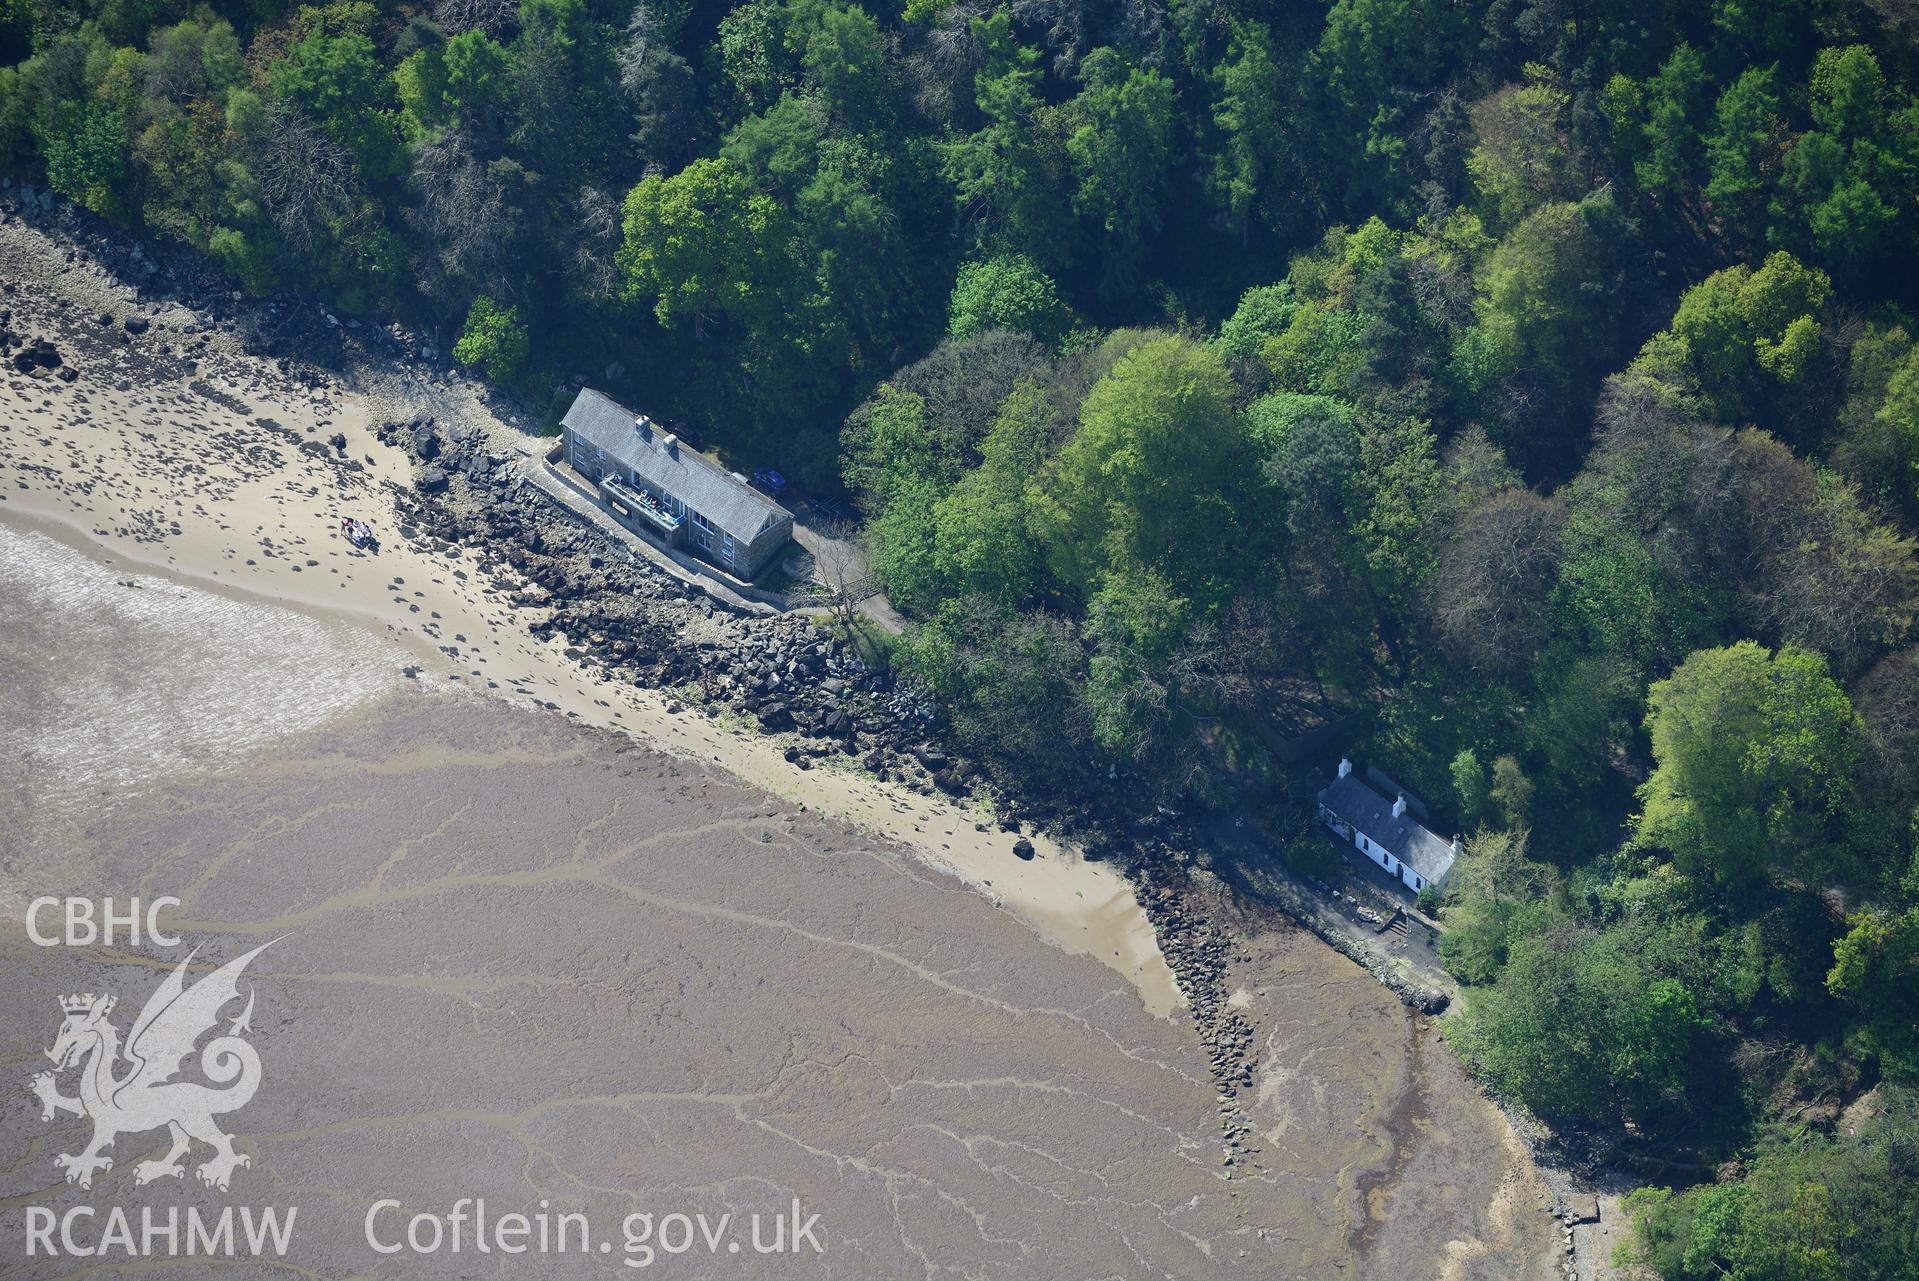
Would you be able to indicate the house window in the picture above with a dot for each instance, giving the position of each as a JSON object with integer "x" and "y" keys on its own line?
{"x": 702, "y": 530}
{"x": 726, "y": 548}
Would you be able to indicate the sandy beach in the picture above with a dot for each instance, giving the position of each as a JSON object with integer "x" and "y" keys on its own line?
{"x": 542, "y": 935}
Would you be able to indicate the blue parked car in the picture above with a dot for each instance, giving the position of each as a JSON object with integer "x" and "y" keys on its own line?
{"x": 769, "y": 480}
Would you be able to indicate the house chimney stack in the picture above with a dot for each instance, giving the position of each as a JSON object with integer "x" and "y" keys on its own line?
{"x": 1458, "y": 849}
{"x": 1345, "y": 767}
{"x": 1399, "y": 806}
{"x": 669, "y": 441}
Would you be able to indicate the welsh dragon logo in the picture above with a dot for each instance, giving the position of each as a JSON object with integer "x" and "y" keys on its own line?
{"x": 145, "y": 1096}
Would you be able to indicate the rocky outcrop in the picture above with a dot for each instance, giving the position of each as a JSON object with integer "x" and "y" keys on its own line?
{"x": 624, "y": 614}
{"x": 34, "y": 357}
{"x": 1196, "y": 949}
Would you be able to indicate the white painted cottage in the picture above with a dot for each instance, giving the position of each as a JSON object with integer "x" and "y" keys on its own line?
{"x": 1386, "y": 831}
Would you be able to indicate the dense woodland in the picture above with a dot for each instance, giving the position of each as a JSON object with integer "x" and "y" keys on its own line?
{"x": 1535, "y": 378}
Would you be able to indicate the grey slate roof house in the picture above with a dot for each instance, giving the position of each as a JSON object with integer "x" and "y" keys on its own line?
{"x": 1386, "y": 831}
{"x": 653, "y": 484}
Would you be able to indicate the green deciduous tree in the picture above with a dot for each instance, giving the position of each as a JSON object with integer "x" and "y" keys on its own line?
{"x": 1537, "y": 285}
{"x": 1808, "y": 1208}
{"x": 335, "y": 78}
{"x": 1470, "y": 786}
{"x": 1746, "y": 333}
{"x": 1521, "y": 156}
{"x": 476, "y": 72}
{"x": 1743, "y": 153}
{"x": 1263, "y": 314}
{"x": 1581, "y": 1028}
{"x": 903, "y": 548}
{"x": 1511, "y": 792}
{"x": 1015, "y": 683}
{"x": 1372, "y": 55}
{"x": 701, "y": 244}
{"x": 1755, "y": 753}
{"x": 886, "y": 443}
{"x": 842, "y": 54}
{"x": 1676, "y": 101}
{"x": 1875, "y": 969}
{"x": 983, "y": 542}
{"x": 1847, "y": 189}
{"x": 420, "y": 82}
{"x": 1009, "y": 176}
{"x": 494, "y": 338}
{"x": 85, "y": 145}
{"x": 1250, "y": 113}
{"x": 1007, "y": 292}
{"x": 1146, "y": 480}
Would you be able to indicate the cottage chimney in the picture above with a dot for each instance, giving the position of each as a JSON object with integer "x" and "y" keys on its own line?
{"x": 669, "y": 442}
{"x": 1458, "y": 849}
{"x": 1399, "y": 806}
{"x": 1345, "y": 767}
